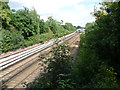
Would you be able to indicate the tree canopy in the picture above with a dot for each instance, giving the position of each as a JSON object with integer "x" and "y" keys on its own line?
{"x": 24, "y": 27}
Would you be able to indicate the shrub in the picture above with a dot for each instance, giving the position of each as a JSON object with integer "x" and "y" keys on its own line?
{"x": 92, "y": 71}
{"x": 57, "y": 74}
{"x": 11, "y": 40}
{"x": 105, "y": 78}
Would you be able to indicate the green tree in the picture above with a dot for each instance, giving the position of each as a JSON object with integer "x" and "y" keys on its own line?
{"x": 52, "y": 24}
{"x": 44, "y": 26}
{"x": 78, "y": 27}
{"x": 109, "y": 32}
{"x": 27, "y": 25}
{"x": 99, "y": 49}
{"x": 26, "y": 21}
{"x": 4, "y": 14}
{"x": 69, "y": 27}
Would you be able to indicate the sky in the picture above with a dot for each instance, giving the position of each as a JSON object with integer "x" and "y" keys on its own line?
{"x": 76, "y": 12}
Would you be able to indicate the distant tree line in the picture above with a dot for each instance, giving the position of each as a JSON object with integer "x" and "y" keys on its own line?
{"x": 23, "y": 27}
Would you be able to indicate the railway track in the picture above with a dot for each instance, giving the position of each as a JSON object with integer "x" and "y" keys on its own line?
{"x": 69, "y": 42}
{"x": 24, "y": 64}
{"x": 8, "y": 61}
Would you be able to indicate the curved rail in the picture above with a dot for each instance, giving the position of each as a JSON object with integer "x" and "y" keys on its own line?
{"x": 10, "y": 60}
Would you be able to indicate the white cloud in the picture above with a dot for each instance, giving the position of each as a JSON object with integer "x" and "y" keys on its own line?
{"x": 79, "y": 15}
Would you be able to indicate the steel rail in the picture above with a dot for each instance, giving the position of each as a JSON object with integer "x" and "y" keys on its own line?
{"x": 24, "y": 63}
{"x": 18, "y": 67}
{"x": 6, "y": 62}
{"x": 38, "y": 66}
{"x": 25, "y": 67}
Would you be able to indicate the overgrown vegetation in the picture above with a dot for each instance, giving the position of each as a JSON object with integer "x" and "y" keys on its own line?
{"x": 24, "y": 27}
{"x": 58, "y": 72}
{"x": 98, "y": 62}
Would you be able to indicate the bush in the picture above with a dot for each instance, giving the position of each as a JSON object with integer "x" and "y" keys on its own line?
{"x": 11, "y": 40}
{"x": 57, "y": 74}
{"x": 92, "y": 71}
{"x": 105, "y": 78}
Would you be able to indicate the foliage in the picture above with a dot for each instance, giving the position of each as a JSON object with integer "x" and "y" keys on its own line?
{"x": 11, "y": 40}
{"x": 52, "y": 24}
{"x": 40, "y": 38}
{"x": 57, "y": 73}
{"x": 98, "y": 60}
{"x": 92, "y": 71}
{"x": 105, "y": 78}
{"x": 23, "y": 27}
{"x": 69, "y": 26}
{"x": 78, "y": 27}
{"x": 109, "y": 46}
{"x": 44, "y": 27}
{"x": 26, "y": 22}
{"x": 4, "y": 14}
